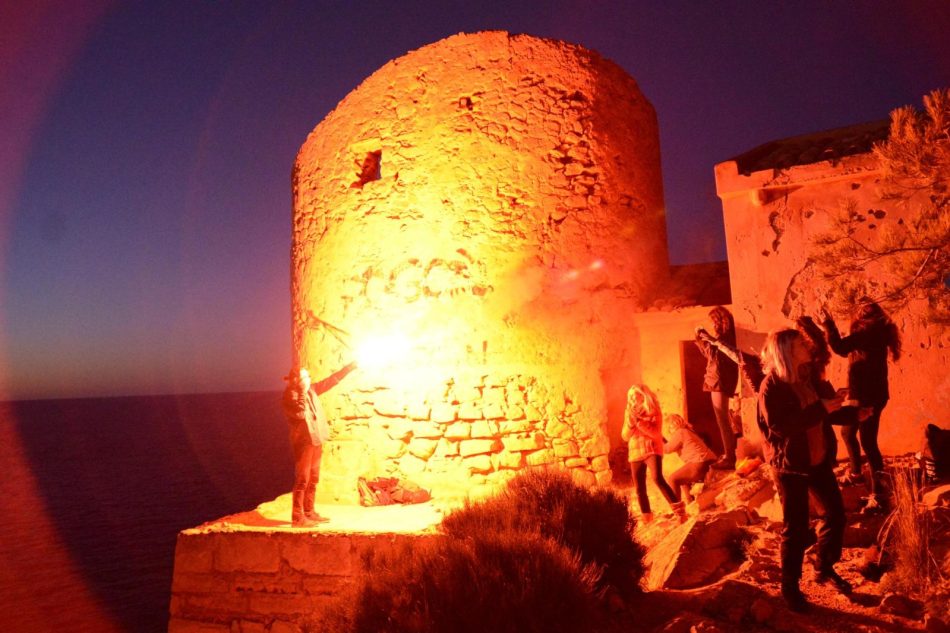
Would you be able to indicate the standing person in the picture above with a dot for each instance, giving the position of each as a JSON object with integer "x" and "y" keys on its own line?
{"x": 793, "y": 418}
{"x": 722, "y": 375}
{"x": 643, "y": 434}
{"x": 872, "y": 335}
{"x": 696, "y": 456}
{"x": 308, "y": 432}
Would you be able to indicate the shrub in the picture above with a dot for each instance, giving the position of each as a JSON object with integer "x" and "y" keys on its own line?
{"x": 907, "y": 536}
{"x": 593, "y": 523}
{"x": 498, "y": 581}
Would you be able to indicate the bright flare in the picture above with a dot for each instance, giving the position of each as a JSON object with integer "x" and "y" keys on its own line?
{"x": 382, "y": 350}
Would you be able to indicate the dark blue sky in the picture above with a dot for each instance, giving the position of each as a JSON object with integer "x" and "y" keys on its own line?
{"x": 145, "y": 202}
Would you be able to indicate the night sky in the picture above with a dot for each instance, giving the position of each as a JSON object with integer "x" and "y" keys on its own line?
{"x": 146, "y": 149}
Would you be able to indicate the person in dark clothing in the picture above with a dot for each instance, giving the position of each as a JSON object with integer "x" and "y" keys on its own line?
{"x": 796, "y": 408}
{"x": 872, "y": 335}
{"x": 720, "y": 380}
{"x": 309, "y": 430}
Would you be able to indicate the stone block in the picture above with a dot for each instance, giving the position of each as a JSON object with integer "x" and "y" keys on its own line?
{"x": 468, "y": 448}
{"x": 583, "y": 477}
{"x": 390, "y": 404}
{"x": 529, "y": 442}
{"x": 247, "y": 552}
{"x": 557, "y": 429}
{"x": 484, "y": 429}
{"x": 506, "y": 459}
{"x": 194, "y": 553}
{"x": 469, "y": 411}
{"x": 323, "y": 554}
{"x": 209, "y": 606}
{"x": 277, "y": 604}
{"x": 446, "y": 448}
{"x": 411, "y": 465}
{"x": 540, "y": 458}
{"x": 248, "y": 626}
{"x": 428, "y": 430}
{"x": 493, "y": 411}
{"x": 282, "y": 626}
{"x": 420, "y": 411}
{"x": 392, "y": 449}
{"x": 576, "y": 462}
{"x": 443, "y": 413}
{"x": 564, "y": 448}
{"x": 400, "y": 429}
{"x": 514, "y": 412}
{"x": 467, "y": 394}
{"x": 267, "y": 583}
{"x": 422, "y": 448}
{"x": 603, "y": 477}
{"x": 478, "y": 463}
{"x": 600, "y": 463}
{"x": 597, "y": 445}
{"x": 182, "y": 625}
{"x": 458, "y": 431}
{"x": 184, "y": 582}
{"x": 507, "y": 427}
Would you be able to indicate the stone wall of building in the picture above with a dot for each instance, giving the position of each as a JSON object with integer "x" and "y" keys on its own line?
{"x": 494, "y": 202}
{"x": 771, "y": 216}
{"x": 266, "y": 581}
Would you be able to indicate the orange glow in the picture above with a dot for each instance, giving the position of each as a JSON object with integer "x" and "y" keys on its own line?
{"x": 511, "y": 225}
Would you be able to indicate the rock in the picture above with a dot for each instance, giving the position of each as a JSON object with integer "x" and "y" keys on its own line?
{"x": 934, "y": 624}
{"x": 903, "y": 606}
{"x": 761, "y": 610}
{"x": 692, "y": 623}
{"x": 698, "y": 552}
{"x": 733, "y": 600}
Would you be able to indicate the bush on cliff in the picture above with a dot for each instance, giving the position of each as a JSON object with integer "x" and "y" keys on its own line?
{"x": 498, "y": 581}
{"x": 594, "y": 523}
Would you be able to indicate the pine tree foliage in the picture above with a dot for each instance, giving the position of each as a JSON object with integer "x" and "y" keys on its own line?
{"x": 909, "y": 259}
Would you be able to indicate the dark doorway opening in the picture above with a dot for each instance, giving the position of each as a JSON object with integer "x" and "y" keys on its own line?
{"x": 698, "y": 409}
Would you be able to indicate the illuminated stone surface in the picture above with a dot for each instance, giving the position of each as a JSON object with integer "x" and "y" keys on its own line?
{"x": 771, "y": 216}
{"x": 495, "y": 200}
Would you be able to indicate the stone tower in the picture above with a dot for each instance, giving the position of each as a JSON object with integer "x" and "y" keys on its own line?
{"x": 493, "y": 202}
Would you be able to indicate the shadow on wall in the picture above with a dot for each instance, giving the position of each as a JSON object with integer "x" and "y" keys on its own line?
{"x": 120, "y": 477}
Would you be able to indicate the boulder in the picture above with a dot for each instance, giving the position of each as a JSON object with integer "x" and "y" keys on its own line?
{"x": 699, "y": 552}
{"x": 938, "y": 497}
{"x": 901, "y": 605}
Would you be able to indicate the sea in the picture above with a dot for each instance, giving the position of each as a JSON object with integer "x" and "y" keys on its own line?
{"x": 94, "y": 491}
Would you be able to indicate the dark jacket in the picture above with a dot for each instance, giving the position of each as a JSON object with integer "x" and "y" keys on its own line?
{"x": 784, "y": 423}
{"x": 722, "y": 374}
{"x": 866, "y": 350}
{"x": 303, "y": 409}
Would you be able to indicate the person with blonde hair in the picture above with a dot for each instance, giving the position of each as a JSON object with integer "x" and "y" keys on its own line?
{"x": 642, "y": 430}
{"x": 696, "y": 456}
{"x": 794, "y": 405}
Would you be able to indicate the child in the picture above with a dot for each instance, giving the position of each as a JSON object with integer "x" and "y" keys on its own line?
{"x": 641, "y": 430}
{"x": 697, "y": 457}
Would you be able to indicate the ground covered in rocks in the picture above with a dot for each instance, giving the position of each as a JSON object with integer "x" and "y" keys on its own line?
{"x": 720, "y": 570}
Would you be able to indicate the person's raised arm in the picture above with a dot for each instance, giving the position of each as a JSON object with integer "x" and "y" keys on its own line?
{"x": 333, "y": 379}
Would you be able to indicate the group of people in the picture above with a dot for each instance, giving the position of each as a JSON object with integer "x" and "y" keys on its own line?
{"x": 796, "y": 409}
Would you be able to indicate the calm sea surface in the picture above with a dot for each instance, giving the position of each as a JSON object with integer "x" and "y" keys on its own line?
{"x": 94, "y": 491}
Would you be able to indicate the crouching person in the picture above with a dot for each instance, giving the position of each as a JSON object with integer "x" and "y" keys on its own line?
{"x": 697, "y": 457}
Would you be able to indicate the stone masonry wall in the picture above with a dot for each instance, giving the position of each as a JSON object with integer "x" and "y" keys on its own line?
{"x": 265, "y": 581}
{"x": 496, "y": 201}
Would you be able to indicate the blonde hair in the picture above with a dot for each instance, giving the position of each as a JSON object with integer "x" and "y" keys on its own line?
{"x": 675, "y": 422}
{"x": 650, "y": 403}
{"x": 777, "y": 354}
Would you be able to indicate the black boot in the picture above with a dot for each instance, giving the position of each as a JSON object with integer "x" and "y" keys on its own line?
{"x": 794, "y": 597}
{"x": 308, "y": 501}
{"x": 298, "y": 516}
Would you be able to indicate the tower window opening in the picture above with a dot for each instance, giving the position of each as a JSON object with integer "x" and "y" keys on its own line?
{"x": 369, "y": 169}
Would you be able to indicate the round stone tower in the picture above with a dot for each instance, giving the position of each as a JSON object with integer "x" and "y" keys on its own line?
{"x": 488, "y": 211}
